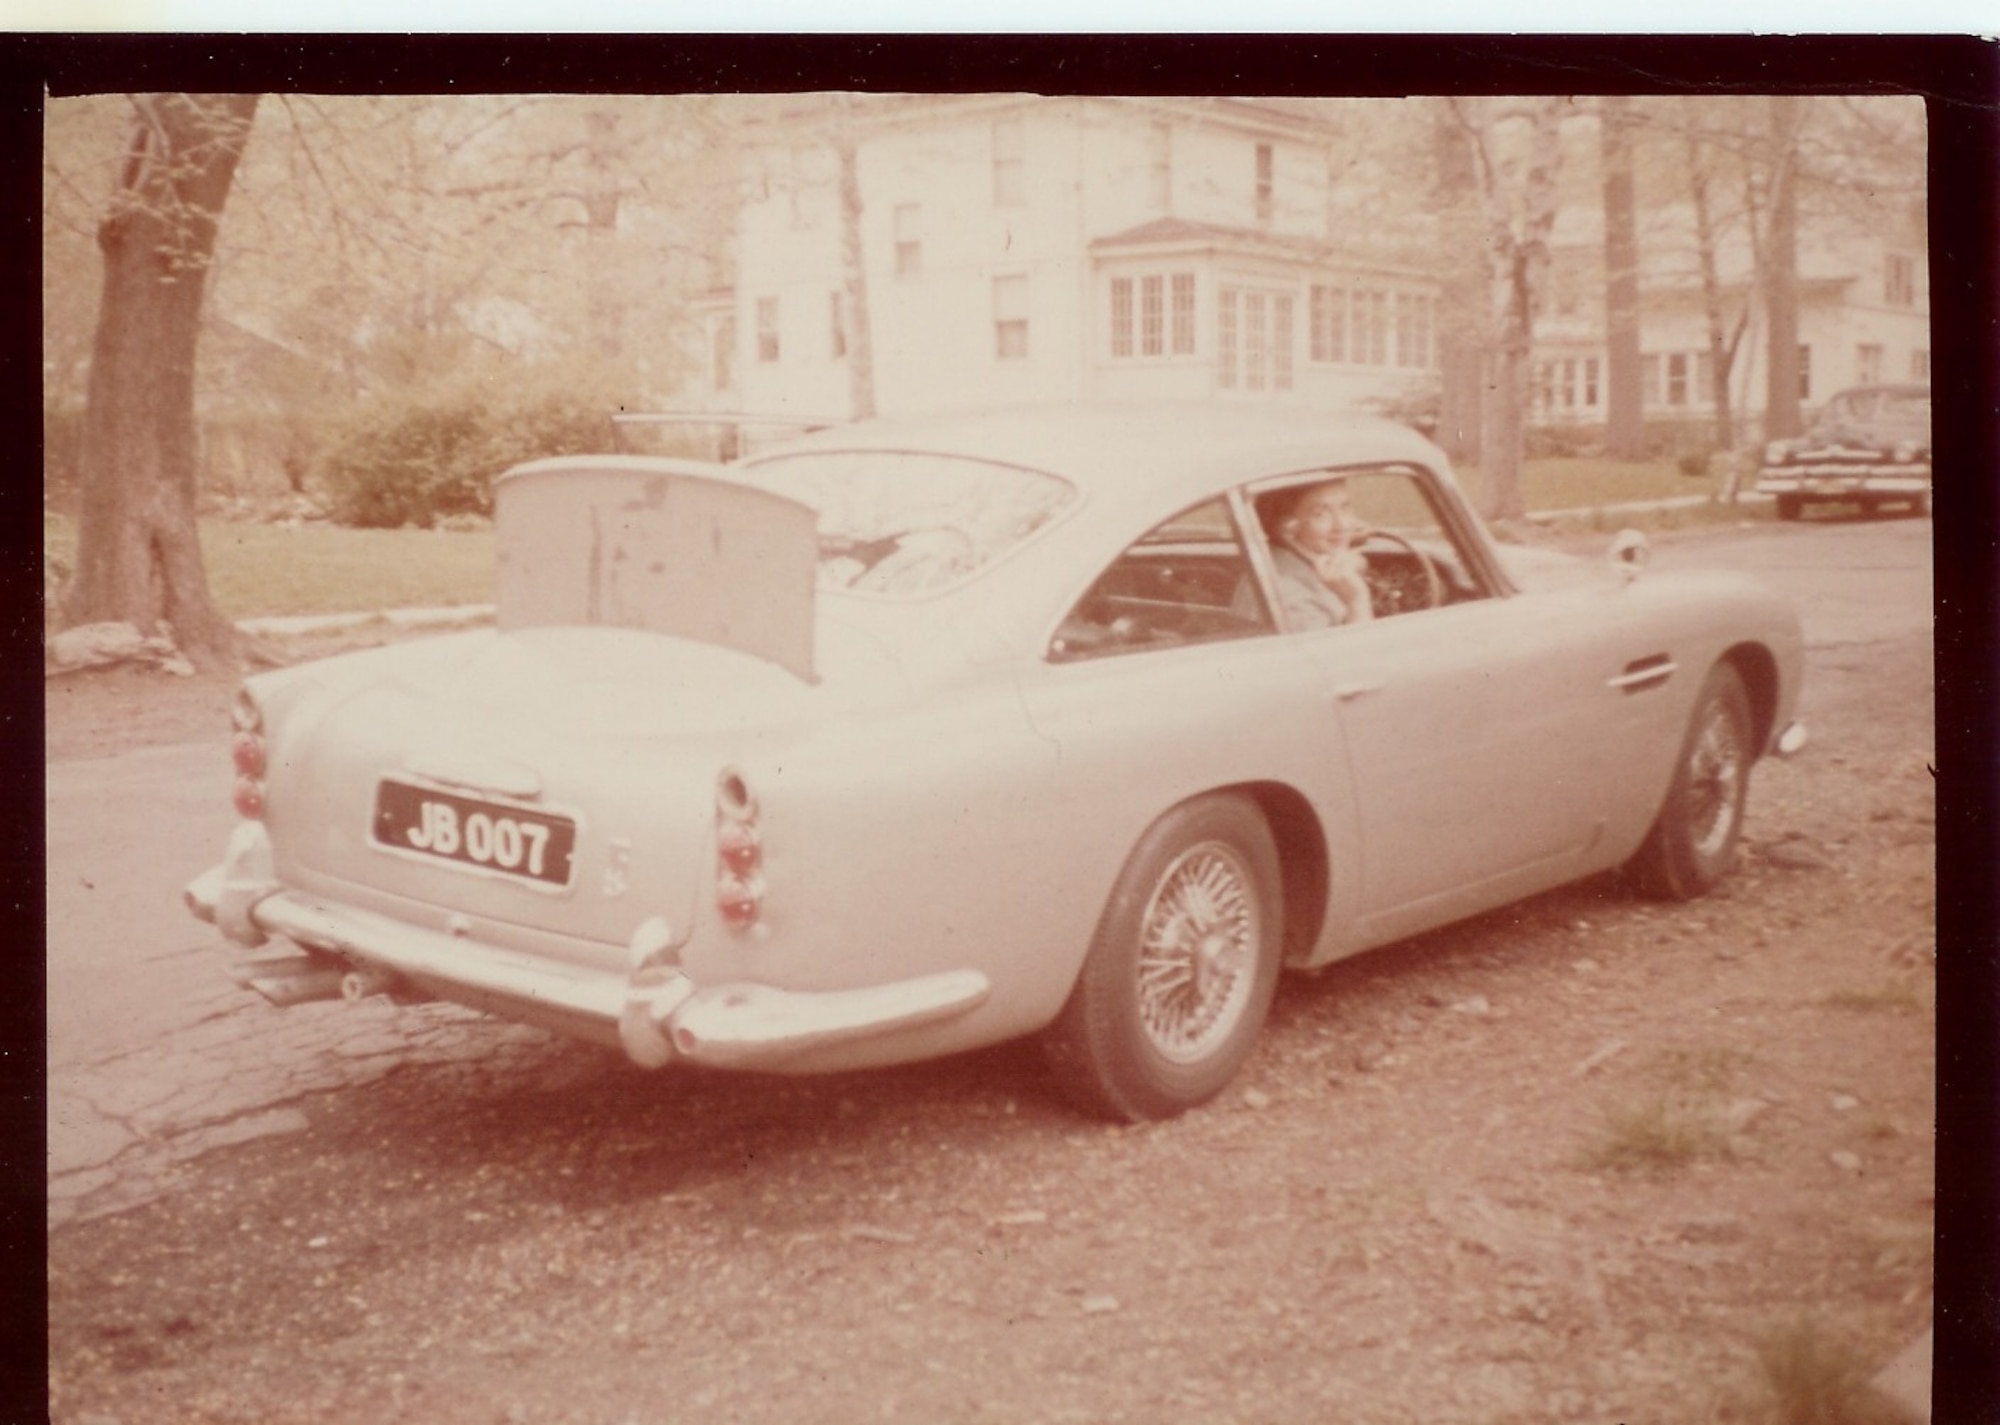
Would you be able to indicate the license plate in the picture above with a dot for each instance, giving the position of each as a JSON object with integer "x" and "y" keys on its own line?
{"x": 513, "y": 841}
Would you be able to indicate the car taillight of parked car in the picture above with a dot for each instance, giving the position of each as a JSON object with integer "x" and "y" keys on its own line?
{"x": 247, "y": 751}
{"x": 739, "y": 853}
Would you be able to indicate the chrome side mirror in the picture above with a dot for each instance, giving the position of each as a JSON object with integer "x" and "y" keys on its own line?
{"x": 1630, "y": 553}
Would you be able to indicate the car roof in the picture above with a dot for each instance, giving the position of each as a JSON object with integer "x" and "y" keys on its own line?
{"x": 1157, "y": 453}
{"x": 1894, "y": 388}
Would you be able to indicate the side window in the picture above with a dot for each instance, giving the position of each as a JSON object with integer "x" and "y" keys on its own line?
{"x": 1185, "y": 581}
{"x": 1410, "y": 557}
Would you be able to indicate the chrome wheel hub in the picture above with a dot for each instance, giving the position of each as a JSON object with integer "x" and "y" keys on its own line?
{"x": 1198, "y": 953}
{"x": 1715, "y": 775}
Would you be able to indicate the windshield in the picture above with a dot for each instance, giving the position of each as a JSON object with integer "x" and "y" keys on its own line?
{"x": 908, "y": 523}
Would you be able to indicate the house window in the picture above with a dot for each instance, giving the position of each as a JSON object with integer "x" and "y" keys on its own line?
{"x": 1677, "y": 379}
{"x": 1265, "y": 202}
{"x": 1590, "y": 381}
{"x": 1328, "y": 317}
{"x": 1010, "y": 318}
{"x": 1225, "y": 338}
{"x": 767, "y": 328}
{"x": 1920, "y": 364}
{"x": 1413, "y": 330}
{"x": 1253, "y": 340}
{"x": 1009, "y": 168}
{"x": 1183, "y": 314}
{"x": 1371, "y": 328}
{"x": 1161, "y": 167}
{"x": 1121, "y": 316}
{"x": 1805, "y": 373}
{"x": 1281, "y": 343}
{"x": 837, "y": 324}
{"x": 909, "y": 240}
{"x": 1899, "y": 281}
{"x": 1544, "y": 394}
{"x": 1152, "y": 316}
{"x": 1256, "y": 352}
{"x": 1868, "y": 363}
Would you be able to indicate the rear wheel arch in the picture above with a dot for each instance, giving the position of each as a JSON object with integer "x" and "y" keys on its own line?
{"x": 1305, "y": 865}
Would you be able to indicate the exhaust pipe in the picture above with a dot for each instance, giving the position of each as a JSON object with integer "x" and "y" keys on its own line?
{"x": 363, "y": 981}
{"x": 286, "y": 980}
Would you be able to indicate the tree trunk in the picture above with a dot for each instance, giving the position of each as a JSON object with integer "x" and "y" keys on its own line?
{"x": 1517, "y": 258}
{"x": 1781, "y": 290}
{"x": 1721, "y": 344}
{"x": 1625, "y": 416}
{"x": 138, "y": 558}
{"x": 860, "y": 338}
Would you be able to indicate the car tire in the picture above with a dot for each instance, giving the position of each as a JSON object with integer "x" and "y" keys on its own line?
{"x": 1789, "y": 507}
{"x": 1692, "y": 844}
{"x": 1181, "y": 970}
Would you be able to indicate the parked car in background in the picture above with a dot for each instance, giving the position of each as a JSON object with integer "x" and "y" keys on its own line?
{"x": 1870, "y": 445}
{"x": 920, "y": 735}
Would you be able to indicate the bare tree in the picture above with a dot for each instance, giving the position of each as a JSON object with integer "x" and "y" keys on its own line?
{"x": 1781, "y": 269}
{"x": 138, "y": 551}
{"x": 1517, "y": 155}
{"x": 1625, "y": 424}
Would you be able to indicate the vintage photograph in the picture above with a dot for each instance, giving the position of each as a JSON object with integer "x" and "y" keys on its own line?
{"x": 848, "y": 755}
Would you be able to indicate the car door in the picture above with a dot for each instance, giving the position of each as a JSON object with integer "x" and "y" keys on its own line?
{"x": 1168, "y": 678}
{"x": 1469, "y": 721}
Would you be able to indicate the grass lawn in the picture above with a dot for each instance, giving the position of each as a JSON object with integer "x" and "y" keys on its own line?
{"x": 258, "y": 569}
{"x": 1580, "y": 482}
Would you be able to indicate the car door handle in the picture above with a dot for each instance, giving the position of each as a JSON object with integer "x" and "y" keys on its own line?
{"x": 1348, "y": 692}
{"x": 1643, "y": 674}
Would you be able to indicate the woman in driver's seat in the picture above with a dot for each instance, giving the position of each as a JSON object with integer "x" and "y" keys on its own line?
{"x": 1322, "y": 577}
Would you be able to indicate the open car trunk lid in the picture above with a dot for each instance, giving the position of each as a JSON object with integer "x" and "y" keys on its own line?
{"x": 667, "y": 546}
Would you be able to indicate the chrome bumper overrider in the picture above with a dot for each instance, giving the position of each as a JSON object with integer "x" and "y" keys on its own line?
{"x": 660, "y": 1013}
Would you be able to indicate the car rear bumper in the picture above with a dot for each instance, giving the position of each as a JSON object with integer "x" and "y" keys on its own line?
{"x": 654, "y": 1010}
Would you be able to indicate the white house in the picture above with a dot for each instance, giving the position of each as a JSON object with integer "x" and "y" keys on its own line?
{"x": 1019, "y": 248}
{"x": 1863, "y": 316}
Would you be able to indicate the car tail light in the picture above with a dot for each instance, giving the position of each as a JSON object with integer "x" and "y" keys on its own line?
{"x": 739, "y": 853}
{"x": 247, "y": 751}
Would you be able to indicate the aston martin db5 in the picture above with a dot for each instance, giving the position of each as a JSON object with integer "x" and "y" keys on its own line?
{"x": 921, "y": 734}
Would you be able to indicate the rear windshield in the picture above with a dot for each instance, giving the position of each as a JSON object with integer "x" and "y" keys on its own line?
{"x": 1898, "y": 407}
{"x": 905, "y": 523}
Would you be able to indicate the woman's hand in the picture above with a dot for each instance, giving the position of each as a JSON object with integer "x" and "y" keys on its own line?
{"x": 1344, "y": 570}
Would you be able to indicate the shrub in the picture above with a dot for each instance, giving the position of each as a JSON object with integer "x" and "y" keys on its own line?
{"x": 433, "y": 456}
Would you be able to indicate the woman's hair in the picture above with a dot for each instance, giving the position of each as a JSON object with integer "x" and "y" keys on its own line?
{"x": 1280, "y": 505}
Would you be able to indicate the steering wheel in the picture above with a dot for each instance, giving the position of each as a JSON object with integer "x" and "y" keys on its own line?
{"x": 1401, "y": 587}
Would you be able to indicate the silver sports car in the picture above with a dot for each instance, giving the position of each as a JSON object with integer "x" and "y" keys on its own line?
{"x": 922, "y": 734}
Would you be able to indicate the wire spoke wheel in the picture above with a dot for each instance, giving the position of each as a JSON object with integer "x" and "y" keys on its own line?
{"x": 1197, "y": 952}
{"x": 1693, "y": 840}
{"x": 1182, "y": 967}
{"x": 1715, "y": 774}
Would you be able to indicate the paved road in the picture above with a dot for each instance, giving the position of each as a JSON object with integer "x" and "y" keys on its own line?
{"x": 154, "y": 1056}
